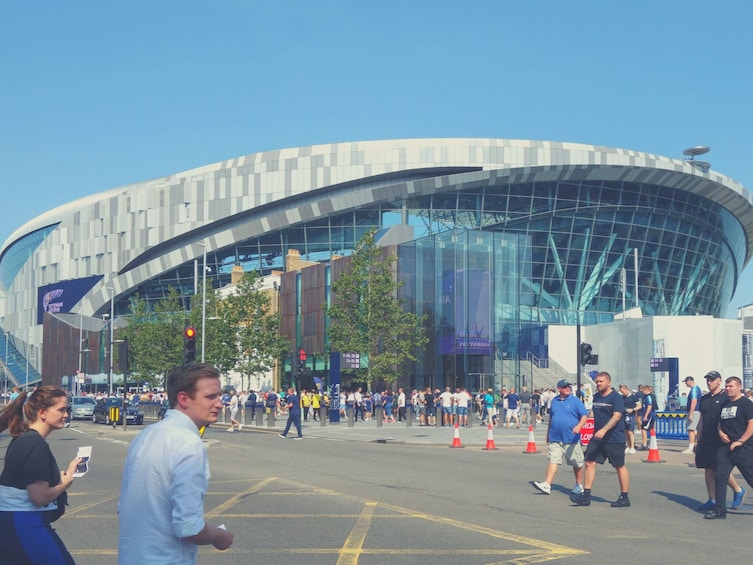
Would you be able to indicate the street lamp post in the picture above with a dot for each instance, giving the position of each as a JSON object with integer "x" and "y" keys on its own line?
{"x": 204, "y": 302}
{"x": 112, "y": 336}
{"x": 203, "y": 298}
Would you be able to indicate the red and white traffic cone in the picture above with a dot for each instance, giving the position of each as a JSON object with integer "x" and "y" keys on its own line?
{"x": 531, "y": 447}
{"x": 490, "y": 441}
{"x": 456, "y": 439}
{"x": 653, "y": 450}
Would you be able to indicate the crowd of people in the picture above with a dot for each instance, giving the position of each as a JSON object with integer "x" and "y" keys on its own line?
{"x": 171, "y": 459}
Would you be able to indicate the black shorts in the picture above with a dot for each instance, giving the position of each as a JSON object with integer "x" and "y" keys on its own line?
{"x": 705, "y": 455}
{"x": 600, "y": 452}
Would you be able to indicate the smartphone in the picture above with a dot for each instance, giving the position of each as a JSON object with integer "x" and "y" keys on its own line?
{"x": 83, "y": 466}
{"x": 84, "y": 453}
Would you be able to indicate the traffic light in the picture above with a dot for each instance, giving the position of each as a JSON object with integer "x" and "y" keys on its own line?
{"x": 301, "y": 362}
{"x": 586, "y": 354}
{"x": 123, "y": 356}
{"x": 189, "y": 344}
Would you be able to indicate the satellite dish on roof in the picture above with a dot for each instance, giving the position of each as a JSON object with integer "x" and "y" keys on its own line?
{"x": 693, "y": 152}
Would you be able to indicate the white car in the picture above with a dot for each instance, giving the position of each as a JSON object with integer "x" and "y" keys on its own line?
{"x": 82, "y": 407}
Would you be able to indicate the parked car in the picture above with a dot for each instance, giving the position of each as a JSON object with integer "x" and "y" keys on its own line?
{"x": 101, "y": 412}
{"x": 82, "y": 407}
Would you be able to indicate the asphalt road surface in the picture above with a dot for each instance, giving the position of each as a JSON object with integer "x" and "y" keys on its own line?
{"x": 324, "y": 500}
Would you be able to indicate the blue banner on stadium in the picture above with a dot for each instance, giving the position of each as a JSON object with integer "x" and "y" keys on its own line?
{"x": 61, "y": 297}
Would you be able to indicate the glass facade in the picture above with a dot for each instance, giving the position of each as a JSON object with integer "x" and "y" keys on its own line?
{"x": 469, "y": 285}
{"x": 583, "y": 235}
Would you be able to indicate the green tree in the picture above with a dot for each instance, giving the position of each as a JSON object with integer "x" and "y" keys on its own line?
{"x": 155, "y": 338}
{"x": 259, "y": 343}
{"x": 366, "y": 317}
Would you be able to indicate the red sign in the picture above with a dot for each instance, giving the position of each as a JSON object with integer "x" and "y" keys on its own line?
{"x": 587, "y": 431}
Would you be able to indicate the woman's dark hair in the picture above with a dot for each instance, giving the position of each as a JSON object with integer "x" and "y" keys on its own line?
{"x": 25, "y": 408}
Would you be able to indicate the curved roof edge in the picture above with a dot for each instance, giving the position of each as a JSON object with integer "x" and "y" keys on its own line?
{"x": 407, "y": 154}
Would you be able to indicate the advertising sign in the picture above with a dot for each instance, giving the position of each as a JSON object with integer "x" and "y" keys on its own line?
{"x": 587, "y": 431}
{"x": 61, "y": 297}
{"x": 466, "y": 310}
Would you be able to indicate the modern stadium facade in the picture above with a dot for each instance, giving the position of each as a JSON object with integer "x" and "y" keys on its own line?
{"x": 595, "y": 230}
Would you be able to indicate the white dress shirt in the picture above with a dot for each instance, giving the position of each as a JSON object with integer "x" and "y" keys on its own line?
{"x": 165, "y": 479}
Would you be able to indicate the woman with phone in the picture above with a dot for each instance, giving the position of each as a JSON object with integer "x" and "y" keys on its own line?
{"x": 32, "y": 488}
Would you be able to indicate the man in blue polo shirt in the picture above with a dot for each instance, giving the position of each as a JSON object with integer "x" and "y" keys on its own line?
{"x": 608, "y": 441}
{"x": 567, "y": 417}
{"x": 694, "y": 413}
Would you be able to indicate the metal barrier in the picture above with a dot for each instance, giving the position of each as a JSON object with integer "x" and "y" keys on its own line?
{"x": 671, "y": 425}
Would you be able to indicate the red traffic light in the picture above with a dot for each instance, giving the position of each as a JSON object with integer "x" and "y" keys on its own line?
{"x": 301, "y": 355}
{"x": 189, "y": 333}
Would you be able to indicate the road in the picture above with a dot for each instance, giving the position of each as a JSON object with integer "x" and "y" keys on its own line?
{"x": 326, "y": 500}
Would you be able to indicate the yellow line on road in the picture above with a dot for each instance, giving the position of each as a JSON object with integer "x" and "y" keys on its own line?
{"x": 79, "y": 509}
{"x": 353, "y": 545}
{"x": 232, "y": 501}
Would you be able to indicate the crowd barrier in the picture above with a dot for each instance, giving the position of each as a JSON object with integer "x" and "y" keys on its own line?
{"x": 671, "y": 425}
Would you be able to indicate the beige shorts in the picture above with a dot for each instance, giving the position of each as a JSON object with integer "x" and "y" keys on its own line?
{"x": 572, "y": 453}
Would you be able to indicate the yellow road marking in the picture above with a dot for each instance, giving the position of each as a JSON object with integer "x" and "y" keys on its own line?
{"x": 538, "y": 551}
{"x": 238, "y": 497}
{"x": 79, "y": 509}
{"x": 353, "y": 545}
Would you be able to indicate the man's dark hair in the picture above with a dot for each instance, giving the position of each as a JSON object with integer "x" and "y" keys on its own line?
{"x": 185, "y": 377}
{"x": 734, "y": 379}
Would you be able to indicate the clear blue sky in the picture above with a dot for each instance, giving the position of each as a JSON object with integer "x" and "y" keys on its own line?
{"x": 96, "y": 95}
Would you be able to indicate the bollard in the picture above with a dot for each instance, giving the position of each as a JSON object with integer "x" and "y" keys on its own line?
{"x": 271, "y": 418}
{"x": 409, "y": 417}
{"x": 259, "y": 416}
{"x": 323, "y": 412}
{"x": 351, "y": 416}
{"x": 379, "y": 416}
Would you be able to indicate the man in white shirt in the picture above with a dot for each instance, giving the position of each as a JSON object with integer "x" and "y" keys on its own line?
{"x": 461, "y": 400}
{"x": 401, "y": 414}
{"x": 166, "y": 475}
{"x": 358, "y": 405}
{"x": 446, "y": 397}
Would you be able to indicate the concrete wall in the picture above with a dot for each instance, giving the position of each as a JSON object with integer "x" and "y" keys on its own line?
{"x": 624, "y": 347}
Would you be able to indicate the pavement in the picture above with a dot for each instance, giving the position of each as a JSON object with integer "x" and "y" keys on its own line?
{"x": 476, "y": 436}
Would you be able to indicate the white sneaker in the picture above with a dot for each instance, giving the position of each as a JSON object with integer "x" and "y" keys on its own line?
{"x": 578, "y": 489}
{"x": 543, "y": 486}
{"x": 240, "y": 427}
{"x": 688, "y": 451}
{"x": 230, "y": 429}
{"x": 629, "y": 450}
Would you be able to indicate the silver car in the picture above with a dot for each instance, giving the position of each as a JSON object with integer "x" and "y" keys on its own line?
{"x": 82, "y": 407}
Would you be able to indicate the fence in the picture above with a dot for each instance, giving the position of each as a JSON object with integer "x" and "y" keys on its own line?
{"x": 671, "y": 425}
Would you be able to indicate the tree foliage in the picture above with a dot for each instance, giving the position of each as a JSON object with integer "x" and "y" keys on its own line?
{"x": 241, "y": 332}
{"x": 258, "y": 340}
{"x": 366, "y": 316}
{"x": 155, "y": 338}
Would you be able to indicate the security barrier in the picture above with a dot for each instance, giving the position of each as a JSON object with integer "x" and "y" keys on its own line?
{"x": 671, "y": 425}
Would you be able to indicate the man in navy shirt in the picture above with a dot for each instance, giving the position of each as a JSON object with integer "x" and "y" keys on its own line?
{"x": 567, "y": 417}
{"x": 294, "y": 413}
{"x": 607, "y": 443}
{"x": 736, "y": 433}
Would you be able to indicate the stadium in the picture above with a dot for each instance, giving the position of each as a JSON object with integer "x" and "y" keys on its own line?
{"x": 597, "y": 230}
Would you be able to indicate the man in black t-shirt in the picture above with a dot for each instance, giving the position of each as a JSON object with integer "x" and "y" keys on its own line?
{"x": 708, "y": 441}
{"x": 736, "y": 434}
{"x": 607, "y": 443}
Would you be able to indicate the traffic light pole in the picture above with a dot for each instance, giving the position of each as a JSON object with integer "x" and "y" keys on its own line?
{"x": 577, "y": 356}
